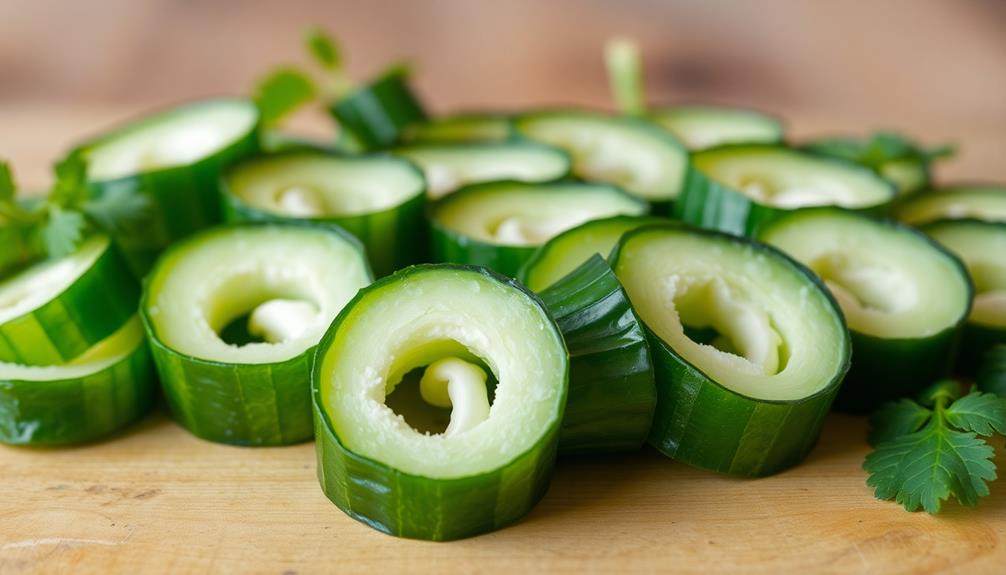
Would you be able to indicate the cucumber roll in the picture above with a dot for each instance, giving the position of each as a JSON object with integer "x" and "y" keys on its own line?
{"x": 979, "y": 202}
{"x": 611, "y": 391}
{"x": 748, "y": 347}
{"x": 702, "y": 126}
{"x": 378, "y": 199}
{"x": 448, "y": 167}
{"x": 438, "y": 394}
{"x": 472, "y": 127}
{"x": 499, "y": 224}
{"x": 174, "y": 158}
{"x": 981, "y": 245}
{"x": 904, "y": 297}
{"x": 637, "y": 156}
{"x": 738, "y": 189}
{"x": 376, "y": 114}
{"x": 98, "y": 392}
{"x": 55, "y": 310}
{"x": 571, "y": 248}
{"x": 233, "y": 315}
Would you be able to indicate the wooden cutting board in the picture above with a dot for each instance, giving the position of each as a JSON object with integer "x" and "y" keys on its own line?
{"x": 155, "y": 499}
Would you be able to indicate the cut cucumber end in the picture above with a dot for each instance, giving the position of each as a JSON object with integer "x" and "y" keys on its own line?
{"x": 472, "y": 127}
{"x": 980, "y": 202}
{"x": 700, "y": 127}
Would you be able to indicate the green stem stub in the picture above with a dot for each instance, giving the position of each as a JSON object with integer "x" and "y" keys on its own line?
{"x": 377, "y": 114}
{"x": 233, "y": 315}
{"x": 625, "y": 76}
{"x": 469, "y": 479}
{"x": 744, "y": 375}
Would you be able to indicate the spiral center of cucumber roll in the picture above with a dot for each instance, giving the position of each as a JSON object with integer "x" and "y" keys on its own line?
{"x": 301, "y": 202}
{"x": 863, "y": 288}
{"x": 279, "y": 320}
{"x": 174, "y": 138}
{"x": 29, "y": 289}
{"x": 459, "y": 385}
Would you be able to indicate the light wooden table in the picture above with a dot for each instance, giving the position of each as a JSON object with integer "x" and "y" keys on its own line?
{"x": 155, "y": 499}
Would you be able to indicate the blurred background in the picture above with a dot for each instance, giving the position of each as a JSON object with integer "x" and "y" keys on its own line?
{"x": 932, "y": 68}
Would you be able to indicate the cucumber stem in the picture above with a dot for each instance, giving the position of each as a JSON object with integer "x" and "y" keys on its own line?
{"x": 625, "y": 76}
{"x": 460, "y": 385}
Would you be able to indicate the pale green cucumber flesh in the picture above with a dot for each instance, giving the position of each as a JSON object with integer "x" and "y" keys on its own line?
{"x": 980, "y": 202}
{"x": 700, "y": 127}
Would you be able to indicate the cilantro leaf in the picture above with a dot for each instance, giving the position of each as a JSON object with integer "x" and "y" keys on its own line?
{"x": 982, "y": 413}
{"x": 119, "y": 209}
{"x": 7, "y": 186}
{"x": 897, "y": 418}
{"x": 992, "y": 375}
{"x": 322, "y": 46}
{"x": 62, "y": 231}
{"x": 282, "y": 92}
{"x": 70, "y": 187}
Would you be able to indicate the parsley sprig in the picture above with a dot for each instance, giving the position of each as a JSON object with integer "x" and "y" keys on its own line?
{"x": 55, "y": 225}
{"x": 881, "y": 148}
{"x": 935, "y": 447}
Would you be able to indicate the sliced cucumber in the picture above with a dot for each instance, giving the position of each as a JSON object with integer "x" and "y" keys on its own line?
{"x": 448, "y": 167}
{"x": 173, "y": 157}
{"x": 100, "y": 391}
{"x": 571, "y": 248}
{"x": 701, "y": 127}
{"x": 55, "y": 310}
{"x": 745, "y": 373}
{"x": 611, "y": 389}
{"x": 474, "y": 127}
{"x": 738, "y": 189}
{"x": 980, "y": 202}
{"x": 499, "y": 224}
{"x": 631, "y": 153}
{"x": 981, "y": 245}
{"x": 378, "y": 199}
{"x": 210, "y": 295}
{"x": 376, "y": 466}
{"x": 376, "y": 114}
{"x": 904, "y": 297}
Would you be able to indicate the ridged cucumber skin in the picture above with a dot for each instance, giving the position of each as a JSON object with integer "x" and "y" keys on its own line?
{"x": 376, "y": 114}
{"x": 699, "y": 422}
{"x": 78, "y": 410}
{"x": 449, "y": 246}
{"x": 94, "y": 306}
{"x": 417, "y": 507}
{"x": 976, "y": 341}
{"x": 709, "y": 204}
{"x": 184, "y": 199}
{"x": 611, "y": 390}
{"x": 393, "y": 238}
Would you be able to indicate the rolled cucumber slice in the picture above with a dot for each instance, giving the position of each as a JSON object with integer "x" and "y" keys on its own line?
{"x": 568, "y": 250}
{"x": 97, "y": 393}
{"x": 904, "y": 297}
{"x": 631, "y": 153}
{"x": 739, "y": 189}
{"x": 174, "y": 157}
{"x": 379, "y": 199}
{"x": 500, "y": 224}
{"x": 979, "y": 202}
{"x": 981, "y": 245}
{"x": 376, "y": 114}
{"x": 233, "y": 315}
{"x": 703, "y": 126}
{"x": 611, "y": 391}
{"x": 748, "y": 347}
{"x": 439, "y": 484}
{"x": 448, "y": 167}
{"x": 470, "y": 127}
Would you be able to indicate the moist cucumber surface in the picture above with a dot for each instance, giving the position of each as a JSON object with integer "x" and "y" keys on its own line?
{"x": 379, "y": 199}
{"x": 499, "y": 224}
{"x": 903, "y": 296}
{"x": 378, "y": 468}
{"x": 700, "y": 127}
{"x": 744, "y": 374}
{"x": 277, "y": 285}
{"x": 980, "y": 202}
{"x": 633, "y": 154}
{"x": 448, "y": 167}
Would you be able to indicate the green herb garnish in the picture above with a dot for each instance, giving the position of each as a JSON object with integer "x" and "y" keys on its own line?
{"x": 935, "y": 447}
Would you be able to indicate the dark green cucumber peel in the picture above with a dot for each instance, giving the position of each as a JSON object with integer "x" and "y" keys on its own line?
{"x": 887, "y": 368}
{"x": 458, "y": 128}
{"x": 376, "y": 114}
{"x": 611, "y": 391}
{"x": 711, "y": 204}
{"x": 184, "y": 198}
{"x": 414, "y": 506}
{"x": 94, "y": 306}
{"x": 449, "y": 245}
{"x": 394, "y": 237}
{"x": 704, "y": 424}
{"x": 250, "y": 404}
{"x": 992, "y": 374}
{"x": 80, "y": 408}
